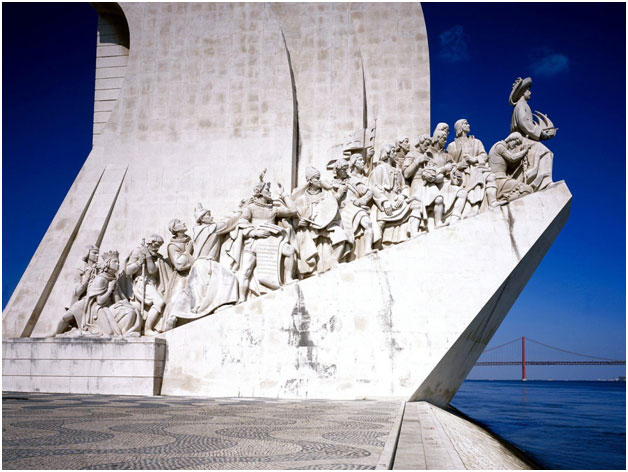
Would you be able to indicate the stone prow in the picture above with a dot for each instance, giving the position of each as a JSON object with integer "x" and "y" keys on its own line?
{"x": 384, "y": 325}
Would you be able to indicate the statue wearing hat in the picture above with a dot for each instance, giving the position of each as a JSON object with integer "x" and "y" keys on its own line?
{"x": 537, "y": 167}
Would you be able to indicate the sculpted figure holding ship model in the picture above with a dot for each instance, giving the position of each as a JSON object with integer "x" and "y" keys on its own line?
{"x": 537, "y": 171}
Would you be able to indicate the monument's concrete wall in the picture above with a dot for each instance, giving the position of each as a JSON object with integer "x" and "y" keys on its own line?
{"x": 193, "y": 100}
{"x": 408, "y": 321}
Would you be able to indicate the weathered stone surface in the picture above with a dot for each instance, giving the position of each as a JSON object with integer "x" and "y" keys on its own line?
{"x": 205, "y": 96}
{"x": 80, "y": 365}
{"x": 409, "y": 321}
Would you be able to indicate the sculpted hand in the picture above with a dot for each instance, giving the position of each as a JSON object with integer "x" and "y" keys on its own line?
{"x": 398, "y": 202}
{"x": 111, "y": 285}
{"x": 303, "y": 223}
{"x": 387, "y": 208}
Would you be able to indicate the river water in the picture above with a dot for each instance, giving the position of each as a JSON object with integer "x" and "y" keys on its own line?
{"x": 562, "y": 424}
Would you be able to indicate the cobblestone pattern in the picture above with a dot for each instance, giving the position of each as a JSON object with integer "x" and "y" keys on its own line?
{"x": 63, "y": 431}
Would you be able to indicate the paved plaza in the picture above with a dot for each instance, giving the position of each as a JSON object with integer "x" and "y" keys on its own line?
{"x": 64, "y": 431}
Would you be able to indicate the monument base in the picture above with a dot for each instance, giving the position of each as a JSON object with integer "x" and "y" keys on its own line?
{"x": 83, "y": 365}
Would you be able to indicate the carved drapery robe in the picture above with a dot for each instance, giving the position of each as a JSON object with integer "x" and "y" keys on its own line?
{"x": 315, "y": 242}
{"x": 475, "y": 175}
{"x": 156, "y": 284}
{"x": 84, "y": 275}
{"x": 442, "y": 186}
{"x": 389, "y": 185}
{"x": 115, "y": 316}
{"x": 503, "y": 163}
{"x": 539, "y": 160}
{"x": 210, "y": 285}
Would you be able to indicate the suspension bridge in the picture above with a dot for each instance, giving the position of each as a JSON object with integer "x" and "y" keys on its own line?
{"x": 538, "y": 353}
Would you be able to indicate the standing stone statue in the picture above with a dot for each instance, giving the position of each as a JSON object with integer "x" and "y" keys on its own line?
{"x": 322, "y": 241}
{"x": 209, "y": 284}
{"x": 414, "y": 164}
{"x": 443, "y": 185}
{"x": 505, "y": 159}
{"x": 266, "y": 243}
{"x": 149, "y": 274}
{"x": 402, "y": 147}
{"x": 179, "y": 251}
{"x": 354, "y": 196}
{"x": 85, "y": 273}
{"x": 478, "y": 180}
{"x": 397, "y": 213}
{"x": 106, "y": 310}
{"x": 537, "y": 169}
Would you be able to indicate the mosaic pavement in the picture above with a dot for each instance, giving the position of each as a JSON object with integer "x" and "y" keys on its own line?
{"x": 64, "y": 431}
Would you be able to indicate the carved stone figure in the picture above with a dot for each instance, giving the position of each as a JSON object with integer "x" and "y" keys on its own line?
{"x": 402, "y": 147}
{"x": 505, "y": 159}
{"x": 443, "y": 190}
{"x": 478, "y": 180}
{"x": 209, "y": 284}
{"x": 537, "y": 170}
{"x": 354, "y": 196}
{"x": 397, "y": 213}
{"x": 179, "y": 251}
{"x": 322, "y": 241}
{"x": 149, "y": 274}
{"x": 266, "y": 243}
{"x": 85, "y": 273}
{"x": 415, "y": 162}
{"x": 105, "y": 310}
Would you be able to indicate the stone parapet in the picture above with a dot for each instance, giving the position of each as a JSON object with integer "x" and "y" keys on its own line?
{"x": 83, "y": 365}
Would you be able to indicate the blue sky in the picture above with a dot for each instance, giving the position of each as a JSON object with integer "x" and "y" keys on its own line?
{"x": 575, "y": 54}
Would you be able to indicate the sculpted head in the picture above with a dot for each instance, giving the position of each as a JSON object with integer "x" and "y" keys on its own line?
{"x": 520, "y": 90}
{"x": 110, "y": 262}
{"x": 313, "y": 177}
{"x": 439, "y": 139}
{"x": 442, "y": 128}
{"x": 153, "y": 243}
{"x": 386, "y": 151}
{"x": 423, "y": 142}
{"x": 513, "y": 140}
{"x": 357, "y": 162}
{"x": 461, "y": 127}
{"x": 403, "y": 144}
{"x": 202, "y": 215}
{"x": 176, "y": 227}
{"x": 341, "y": 168}
{"x": 91, "y": 254}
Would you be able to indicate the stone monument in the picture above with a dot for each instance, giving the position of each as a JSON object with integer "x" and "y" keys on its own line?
{"x": 326, "y": 273}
